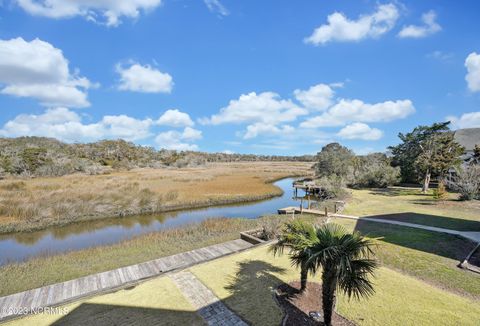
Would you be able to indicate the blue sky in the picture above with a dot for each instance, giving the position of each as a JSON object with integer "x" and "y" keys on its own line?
{"x": 270, "y": 77}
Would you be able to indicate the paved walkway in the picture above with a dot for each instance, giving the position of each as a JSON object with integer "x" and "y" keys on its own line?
{"x": 209, "y": 306}
{"x": 60, "y": 293}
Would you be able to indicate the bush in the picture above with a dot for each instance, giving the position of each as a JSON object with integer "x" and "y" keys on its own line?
{"x": 332, "y": 187}
{"x": 374, "y": 171}
{"x": 440, "y": 193}
{"x": 466, "y": 181}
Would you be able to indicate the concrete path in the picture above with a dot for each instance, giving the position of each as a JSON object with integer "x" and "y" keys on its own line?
{"x": 208, "y": 305}
{"x": 61, "y": 293}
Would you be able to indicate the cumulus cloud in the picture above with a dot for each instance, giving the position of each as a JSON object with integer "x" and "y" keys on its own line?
{"x": 466, "y": 120}
{"x": 67, "y": 125}
{"x": 341, "y": 29}
{"x": 259, "y": 128}
{"x": 112, "y": 11}
{"x": 472, "y": 63}
{"x": 217, "y": 7}
{"x": 361, "y": 131}
{"x": 429, "y": 27}
{"x": 346, "y": 111}
{"x": 144, "y": 79}
{"x": 318, "y": 97}
{"x": 265, "y": 107}
{"x": 178, "y": 140}
{"x": 175, "y": 118}
{"x": 38, "y": 70}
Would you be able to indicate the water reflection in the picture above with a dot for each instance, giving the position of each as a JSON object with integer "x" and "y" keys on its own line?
{"x": 19, "y": 246}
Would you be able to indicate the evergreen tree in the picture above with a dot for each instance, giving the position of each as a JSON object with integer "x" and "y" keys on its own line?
{"x": 334, "y": 159}
{"x": 427, "y": 151}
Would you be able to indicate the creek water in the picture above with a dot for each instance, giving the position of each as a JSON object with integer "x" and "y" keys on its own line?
{"x": 21, "y": 246}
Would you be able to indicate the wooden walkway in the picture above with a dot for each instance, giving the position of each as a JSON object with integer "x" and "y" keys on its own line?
{"x": 61, "y": 293}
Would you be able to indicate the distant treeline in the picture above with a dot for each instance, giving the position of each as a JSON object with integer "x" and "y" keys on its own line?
{"x": 40, "y": 156}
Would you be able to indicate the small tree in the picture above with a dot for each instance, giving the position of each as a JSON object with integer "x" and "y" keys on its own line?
{"x": 345, "y": 262}
{"x": 441, "y": 192}
{"x": 334, "y": 159}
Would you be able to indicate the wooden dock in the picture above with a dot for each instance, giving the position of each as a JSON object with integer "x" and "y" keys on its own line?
{"x": 58, "y": 294}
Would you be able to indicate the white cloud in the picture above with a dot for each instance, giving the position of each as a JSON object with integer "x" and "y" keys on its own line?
{"x": 440, "y": 55}
{"x": 259, "y": 128}
{"x": 429, "y": 27}
{"x": 67, "y": 125}
{"x": 191, "y": 134}
{"x": 217, "y": 7}
{"x": 111, "y": 10}
{"x": 265, "y": 107}
{"x": 228, "y": 152}
{"x": 340, "y": 28}
{"x": 472, "y": 63}
{"x": 318, "y": 97}
{"x": 178, "y": 140}
{"x": 175, "y": 118}
{"x": 346, "y": 111}
{"x": 466, "y": 120}
{"x": 145, "y": 79}
{"x": 361, "y": 131}
{"x": 38, "y": 70}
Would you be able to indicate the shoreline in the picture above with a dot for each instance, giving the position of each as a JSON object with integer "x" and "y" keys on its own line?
{"x": 150, "y": 186}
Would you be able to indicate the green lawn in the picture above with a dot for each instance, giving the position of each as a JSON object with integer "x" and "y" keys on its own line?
{"x": 430, "y": 256}
{"x": 245, "y": 282}
{"x": 156, "y": 302}
{"x": 410, "y": 205}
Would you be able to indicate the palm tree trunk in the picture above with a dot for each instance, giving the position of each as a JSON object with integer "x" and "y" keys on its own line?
{"x": 303, "y": 278}
{"x": 328, "y": 295}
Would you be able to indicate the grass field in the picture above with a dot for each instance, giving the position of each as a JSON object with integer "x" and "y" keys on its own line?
{"x": 151, "y": 303}
{"x": 410, "y": 205}
{"x": 32, "y": 204}
{"x": 430, "y": 256}
{"x": 245, "y": 282}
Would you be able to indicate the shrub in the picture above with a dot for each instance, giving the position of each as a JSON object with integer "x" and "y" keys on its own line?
{"x": 270, "y": 227}
{"x": 374, "y": 171}
{"x": 440, "y": 193}
{"x": 466, "y": 181}
{"x": 332, "y": 187}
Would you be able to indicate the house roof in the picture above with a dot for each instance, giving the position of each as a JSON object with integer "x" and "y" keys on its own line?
{"x": 468, "y": 138}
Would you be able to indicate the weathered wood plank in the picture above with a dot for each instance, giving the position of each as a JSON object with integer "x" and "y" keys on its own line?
{"x": 59, "y": 293}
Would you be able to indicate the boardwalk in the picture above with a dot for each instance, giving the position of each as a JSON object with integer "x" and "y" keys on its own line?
{"x": 60, "y": 293}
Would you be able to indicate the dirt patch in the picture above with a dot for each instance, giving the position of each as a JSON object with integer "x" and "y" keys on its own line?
{"x": 297, "y": 307}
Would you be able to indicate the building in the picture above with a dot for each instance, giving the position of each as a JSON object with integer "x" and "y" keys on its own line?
{"x": 468, "y": 138}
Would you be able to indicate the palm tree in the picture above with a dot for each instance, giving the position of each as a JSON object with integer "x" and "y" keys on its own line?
{"x": 344, "y": 259}
{"x": 297, "y": 237}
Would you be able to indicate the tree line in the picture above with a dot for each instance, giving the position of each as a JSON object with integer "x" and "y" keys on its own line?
{"x": 425, "y": 153}
{"x": 40, "y": 156}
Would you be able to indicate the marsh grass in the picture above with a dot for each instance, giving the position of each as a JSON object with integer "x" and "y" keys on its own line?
{"x": 49, "y": 269}
{"x": 34, "y": 204}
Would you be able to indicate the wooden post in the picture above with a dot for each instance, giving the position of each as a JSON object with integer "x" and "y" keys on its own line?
{"x": 308, "y": 201}
{"x": 335, "y": 209}
{"x": 326, "y": 212}
{"x": 301, "y": 205}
